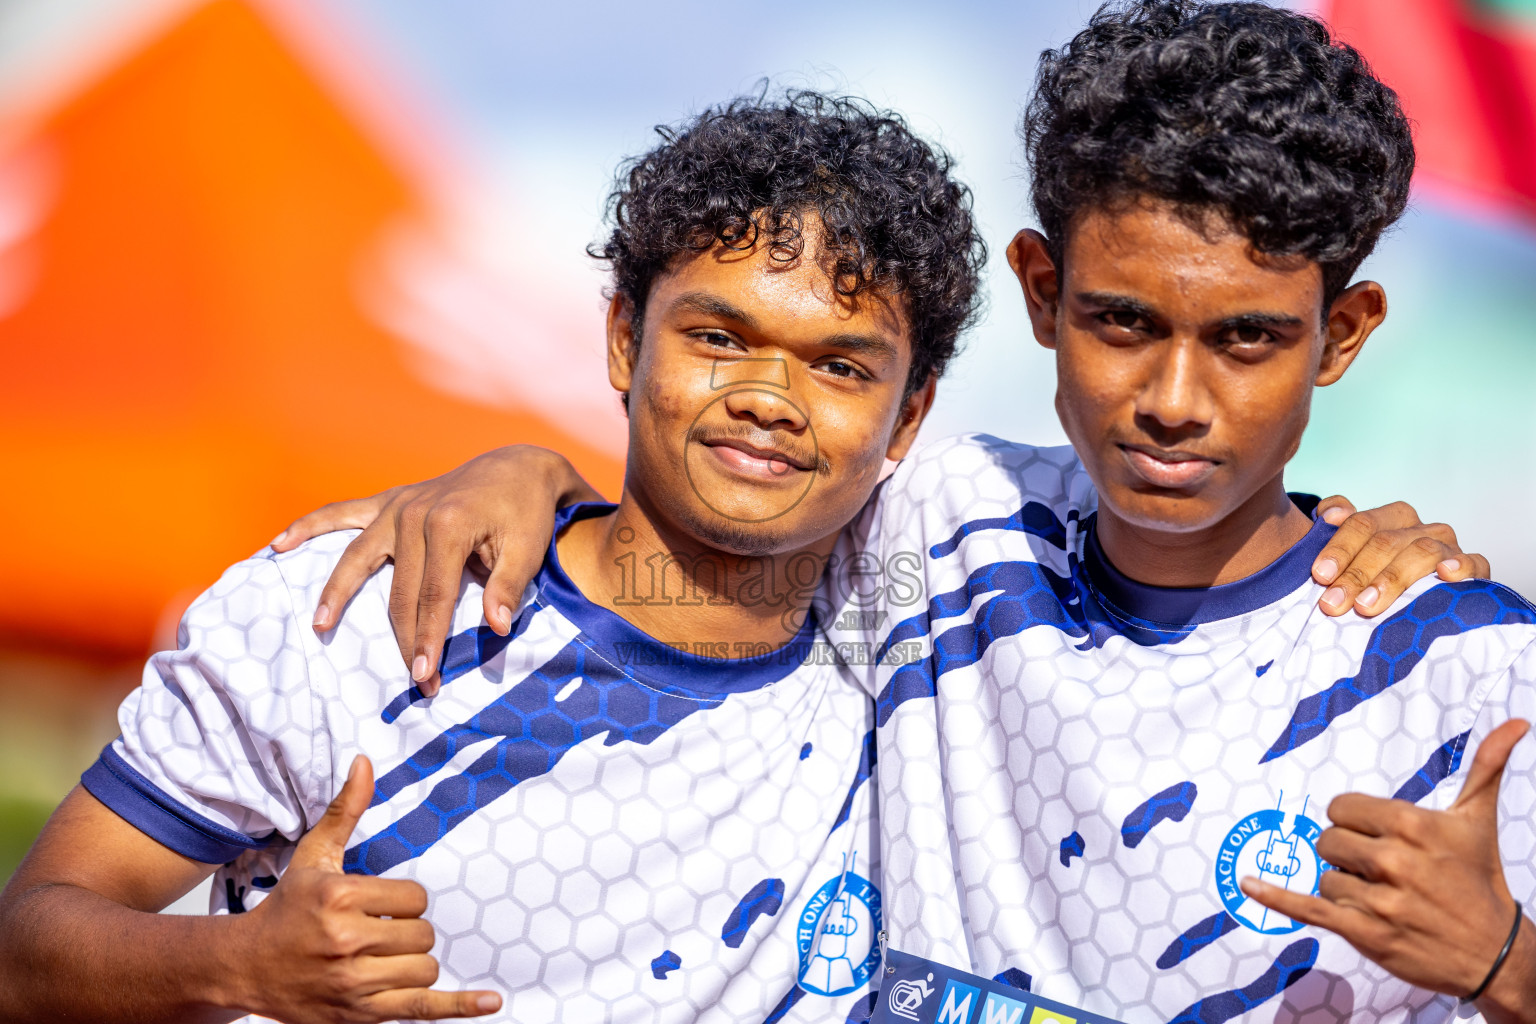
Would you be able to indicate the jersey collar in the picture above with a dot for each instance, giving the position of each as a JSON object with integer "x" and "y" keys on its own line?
{"x": 1191, "y": 606}
{"x": 638, "y": 653}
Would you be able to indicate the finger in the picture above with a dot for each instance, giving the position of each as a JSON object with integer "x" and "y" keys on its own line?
{"x": 388, "y": 897}
{"x": 1464, "y": 566}
{"x": 1409, "y": 565}
{"x": 1351, "y": 539}
{"x": 1343, "y": 546}
{"x": 1346, "y": 890}
{"x": 1375, "y": 554}
{"x": 513, "y": 567}
{"x": 323, "y": 845}
{"x": 397, "y": 936}
{"x": 1335, "y": 509}
{"x": 362, "y": 559}
{"x": 430, "y": 1004}
{"x": 356, "y": 514}
{"x": 1370, "y": 815}
{"x": 377, "y": 974}
{"x": 405, "y": 589}
{"x": 448, "y": 547}
{"x": 1480, "y": 794}
{"x": 1304, "y": 908}
{"x": 1351, "y": 851}
{"x": 1398, "y": 515}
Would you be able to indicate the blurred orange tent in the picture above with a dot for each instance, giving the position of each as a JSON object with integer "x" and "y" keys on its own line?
{"x": 186, "y": 363}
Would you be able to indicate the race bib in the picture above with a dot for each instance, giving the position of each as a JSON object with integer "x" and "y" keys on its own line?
{"x": 918, "y": 991}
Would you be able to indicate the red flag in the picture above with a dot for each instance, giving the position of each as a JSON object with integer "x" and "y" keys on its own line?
{"x": 1466, "y": 73}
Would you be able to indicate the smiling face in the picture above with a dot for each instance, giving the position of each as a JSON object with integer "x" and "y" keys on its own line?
{"x": 762, "y": 404}
{"x": 1185, "y": 361}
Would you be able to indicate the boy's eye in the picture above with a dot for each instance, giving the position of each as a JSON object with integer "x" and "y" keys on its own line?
{"x": 843, "y": 368}
{"x": 1247, "y": 335}
{"x": 1123, "y": 318}
{"x": 718, "y": 338}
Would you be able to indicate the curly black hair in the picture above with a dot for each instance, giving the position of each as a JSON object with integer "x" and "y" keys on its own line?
{"x": 1242, "y": 109}
{"x": 893, "y": 218}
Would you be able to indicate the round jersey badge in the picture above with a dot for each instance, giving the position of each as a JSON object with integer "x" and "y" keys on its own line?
{"x": 1274, "y": 847}
{"x": 836, "y": 934}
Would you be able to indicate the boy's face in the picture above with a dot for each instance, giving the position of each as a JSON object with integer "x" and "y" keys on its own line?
{"x": 1185, "y": 360}
{"x": 762, "y": 405}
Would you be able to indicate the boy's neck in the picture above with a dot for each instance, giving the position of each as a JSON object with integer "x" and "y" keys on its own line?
{"x": 683, "y": 591}
{"x": 1256, "y": 533}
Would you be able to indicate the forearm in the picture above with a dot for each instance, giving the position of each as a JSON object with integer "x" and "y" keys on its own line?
{"x": 67, "y": 953}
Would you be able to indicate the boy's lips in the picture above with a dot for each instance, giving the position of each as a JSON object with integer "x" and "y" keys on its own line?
{"x": 1173, "y": 468}
{"x": 745, "y": 459}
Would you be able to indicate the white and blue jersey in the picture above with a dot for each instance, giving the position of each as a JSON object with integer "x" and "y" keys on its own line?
{"x": 1076, "y": 770}
{"x": 608, "y": 828}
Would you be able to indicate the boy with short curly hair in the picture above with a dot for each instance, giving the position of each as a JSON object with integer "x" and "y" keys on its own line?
{"x": 600, "y": 825}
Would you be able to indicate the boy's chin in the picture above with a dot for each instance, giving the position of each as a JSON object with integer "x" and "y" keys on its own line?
{"x": 1163, "y": 511}
{"x": 782, "y": 535}
{"x": 732, "y": 536}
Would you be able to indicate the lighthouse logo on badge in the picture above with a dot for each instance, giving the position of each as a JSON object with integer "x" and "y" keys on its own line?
{"x": 1274, "y": 847}
{"x": 837, "y": 931}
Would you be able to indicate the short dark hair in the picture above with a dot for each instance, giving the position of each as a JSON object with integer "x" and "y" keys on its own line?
{"x": 892, "y": 215}
{"x": 1242, "y": 109}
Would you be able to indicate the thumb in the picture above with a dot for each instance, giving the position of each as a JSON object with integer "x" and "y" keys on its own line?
{"x": 511, "y": 573}
{"x": 1480, "y": 794}
{"x": 322, "y": 846}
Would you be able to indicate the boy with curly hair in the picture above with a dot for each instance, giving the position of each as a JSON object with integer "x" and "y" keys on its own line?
{"x": 599, "y": 825}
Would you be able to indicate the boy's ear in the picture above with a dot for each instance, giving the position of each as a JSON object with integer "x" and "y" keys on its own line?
{"x": 1357, "y": 312}
{"x": 622, "y": 343}
{"x": 1030, "y": 258}
{"x": 913, "y": 411}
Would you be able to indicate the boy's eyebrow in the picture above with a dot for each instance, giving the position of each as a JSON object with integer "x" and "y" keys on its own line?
{"x": 714, "y": 305}
{"x": 1262, "y": 320}
{"x": 1125, "y": 302}
{"x": 865, "y": 344}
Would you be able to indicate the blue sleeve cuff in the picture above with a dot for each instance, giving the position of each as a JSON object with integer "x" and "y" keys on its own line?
{"x": 146, "y": 807}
